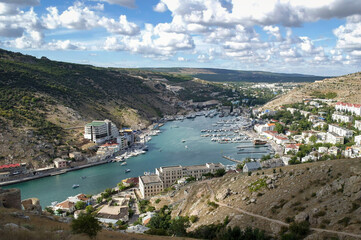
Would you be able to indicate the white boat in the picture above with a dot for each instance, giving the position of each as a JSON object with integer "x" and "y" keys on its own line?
{"x": 183, "y": 141}
{"x": 123, "y": 164}
{"x": 76, "y": 185}
{"x": 186, "y": 146}
{"x": 128, "y": 170}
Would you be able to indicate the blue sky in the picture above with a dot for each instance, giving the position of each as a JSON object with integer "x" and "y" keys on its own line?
{"x": 320, "y": 37}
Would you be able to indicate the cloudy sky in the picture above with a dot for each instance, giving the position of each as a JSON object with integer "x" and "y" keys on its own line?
{"x": 321, "y": 37}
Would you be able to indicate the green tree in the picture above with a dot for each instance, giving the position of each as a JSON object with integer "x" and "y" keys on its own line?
{"x": 86, "y": 223}
{"x": 313, "y": 138}
{"x": 80, "y": 205}
{"x": 178, "y": 226}
{"x": 220, "y": 172}
{"x": 279, "y": 128}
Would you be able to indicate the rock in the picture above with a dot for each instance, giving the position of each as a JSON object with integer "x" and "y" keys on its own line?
{"x": 32, "y": 205}
{"x": 269, "y": 181}
{"x": 302, "y": 216}
{"x": 224, "y": 194}
{"x": 244, "y": 198}
{"x": 253, "y": 200}
{"x": 14, "y": 227}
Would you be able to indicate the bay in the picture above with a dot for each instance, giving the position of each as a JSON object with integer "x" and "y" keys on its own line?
{"x": 166, "y": 149}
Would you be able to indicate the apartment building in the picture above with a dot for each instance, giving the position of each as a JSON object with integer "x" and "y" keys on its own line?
{"x": 264, "y": 127}
{"x": 150, "y": 185}
{"x": 334, "y": 138}
{"x": 348, "y": 107}
{"x": 170, "y": 175}
{"x": 358, "y": 124}
{"x": 338, "y": 117}
{"x": 60, "y": 163}
{"x": 100, "y": 131}
{"x": 340, "y": 131}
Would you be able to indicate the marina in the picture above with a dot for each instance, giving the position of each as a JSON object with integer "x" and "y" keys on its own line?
{"x": 164, "y": 149}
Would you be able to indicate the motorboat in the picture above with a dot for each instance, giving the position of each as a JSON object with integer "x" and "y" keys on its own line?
{"x": 75, "y": 186}
{"x": 128, "y": 170}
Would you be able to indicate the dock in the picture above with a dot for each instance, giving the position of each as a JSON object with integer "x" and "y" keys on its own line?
{"x": 231, "y": 159}
{"x": 253, "y": 146}
{"x": 251, "y": 152}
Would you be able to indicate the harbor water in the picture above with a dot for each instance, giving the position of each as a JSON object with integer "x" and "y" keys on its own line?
{"x": 179, "y": 143}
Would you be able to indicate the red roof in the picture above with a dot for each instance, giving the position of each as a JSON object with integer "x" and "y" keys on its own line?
{"x": 10, "y": 166}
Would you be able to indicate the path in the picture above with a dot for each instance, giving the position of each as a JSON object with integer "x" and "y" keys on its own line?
{"x": 277, "y": 221}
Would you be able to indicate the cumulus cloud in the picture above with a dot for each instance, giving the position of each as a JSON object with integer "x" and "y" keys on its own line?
{"x": 124, "y": 3}
{"x": 160, "y": 7}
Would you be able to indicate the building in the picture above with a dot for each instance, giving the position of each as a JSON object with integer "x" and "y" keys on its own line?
{"x": 340, "y": 131}
{"x": 281, "y": 139}
{"x": 117, "y": 209}
{"x": 358, "y": 140}
{"x": 341, "y": 118}
{"x": 13, "y": 169}
{"x": 100, "y": 131}
{"x": 4, "y": 176}
{"x": 150, "y": 185}
{"x": 60, "y": 163}
{"x": 348, "y": 107}
{"x": 66, "y": 206}
{"x": 170, "y": 175}
{"x": 108, "y": 149}
{"x": 358, "y": 124}
{"x": 293, "y": 148}
{"x": 334, "y": 138}
{"x": 251, "y": 166}
{"x": 264, "y": 127}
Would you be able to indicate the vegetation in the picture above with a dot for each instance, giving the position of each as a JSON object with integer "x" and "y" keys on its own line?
{"x": 257, "y": 185}
{"x": 86, "y": 223}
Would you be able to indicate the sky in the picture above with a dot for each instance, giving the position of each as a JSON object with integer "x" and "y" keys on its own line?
{"x": 318, "y": 37}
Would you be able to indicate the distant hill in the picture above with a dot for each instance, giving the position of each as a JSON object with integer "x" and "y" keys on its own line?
{"x": 344, "y": 88}
{"x": 225, "y": 75}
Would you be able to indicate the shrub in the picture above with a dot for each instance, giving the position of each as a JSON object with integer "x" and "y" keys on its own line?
{"x": 193, "y": 218}
{"x": 86, "y": 223}
{"x": 157, "y": 201}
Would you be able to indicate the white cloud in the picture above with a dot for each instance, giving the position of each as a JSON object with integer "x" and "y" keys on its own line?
{"x": 181, "y": 59}
{"x": 160, "y": 7}
{"x": 63, "y": 45}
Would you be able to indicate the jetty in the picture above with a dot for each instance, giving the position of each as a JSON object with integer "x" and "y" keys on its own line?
{"x": 252, "y": 152}
{"x": 253, "y": 146}
{"x": 231, "y": 159}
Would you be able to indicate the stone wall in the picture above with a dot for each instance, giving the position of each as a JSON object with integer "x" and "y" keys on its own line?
{"x": 10, "y": 198}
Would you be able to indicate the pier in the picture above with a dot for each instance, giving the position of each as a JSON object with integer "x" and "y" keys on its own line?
{"x": 253, "y": 146}
{"x": 251, "y": 152}
{"x": 231, "y": 159}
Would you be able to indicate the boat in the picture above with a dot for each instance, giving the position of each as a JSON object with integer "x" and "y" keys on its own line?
{"x": 75, "y": 186}
{"x": 186, "y": 146}
{"x": 259, "y": 142}
{"x": 54, "y": 203}
{"x": 123, "y": 164}
{"x": 147, "y": 173}
{"x": 183, "y": 141}
{"x": 83, "y": 177}
{"x": 128, "y": 170}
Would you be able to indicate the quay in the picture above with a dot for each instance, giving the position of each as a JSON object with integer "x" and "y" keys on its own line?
{"x": 251, "y": 152}
{"x": 231, "y": 159}
{"x": 255, "y": 146}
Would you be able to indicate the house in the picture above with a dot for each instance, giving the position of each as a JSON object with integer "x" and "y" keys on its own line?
{"x": 14, "y": 168}
{"x": 340, "y": 131}
{"x": 322, "y": 149}
{"x": 60, "y": 163}
{"x": 281, "y": 139}
{"x": 310, "y": 158}
{"x": 285, "y": 159}
{"x": 319, "y": 125}
{"x": 251, "y": 166}
{"x": 334, "y": 138}
{"x": 269, "y": 134}
{"x": 358, "y": 124}
{"x": 66, "y": 206}
{"x": 272, "y": 163}
{"x": 291, "y": 148}
{"x": 358, "y": 140}
{"x": 333, "y": 150}
{"x": 112, "y": 214}
{"x": 338, "y": 117}
{"x": 292, "y": 110}
{"x": 348, "y": 107}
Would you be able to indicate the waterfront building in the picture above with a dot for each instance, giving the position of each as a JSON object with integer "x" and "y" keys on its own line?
{"x": 264, "y": 127}
{"x": 358, "y": 124}
{"x": 123, "y": 142}
{"x": 66, "y": 206}
{"x": 334, "y": 138}
{"x": 340, "y": 131}
{"x": 108, "y": 149}
{"x": 170, "y": 175}
{"x": 4, "y": 176}
{"x": 348, "y": 107}
{"x": 60, "y": 163}
{"x": 251, "y": 166}
{"x": 150, "y": 185}
{"x": 13, "y": 169}
{"x": 341, "y": 118}
{"x": 100, "y": 131}
{"x": 293, "y": 148}
{"x": 117, "y": 209}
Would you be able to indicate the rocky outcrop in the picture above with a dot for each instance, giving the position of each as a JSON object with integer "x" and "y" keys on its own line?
{"x": 32, "y": 205}
{"x": 10, "y": 198}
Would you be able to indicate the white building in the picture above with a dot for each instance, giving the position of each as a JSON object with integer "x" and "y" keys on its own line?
{"x": 251, "y": 166}
{"x": 60, "y": 163}
{"x": 358, "y": 140}
{"x": 334, "y": 138}
{"x": 341, "y": 118}
{"x": 150, "y": 185}
{"x": 292, "y": 110}
{"x": 340, "y": 131}
{"x": 358, "y": 124}
{"x": 170, "y": 175}
{"x": 349, "y": 107}
{"x": 264, "y": 127}
{"x": 100, "y": 131}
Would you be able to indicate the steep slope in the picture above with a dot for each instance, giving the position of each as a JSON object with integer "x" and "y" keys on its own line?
{"x": 326, "y": 194}
{"x": 345, "y": 88}
{"x": 226, "y": 75}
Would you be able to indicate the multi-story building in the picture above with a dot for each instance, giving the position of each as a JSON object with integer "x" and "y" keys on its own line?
{"x": 170, "y": 175}
{"x": 264, "y": 127}
{"x": 358, "y": 124}
{"x": 60, "y": 163}
{"x": 150, "y": 185}
{"x": 340, "y": 131}
{"x": 348, "y": 107}
{"x": 341, "y": 118}
{"x": 358, "y": 140}
{"x": 334, "y": 138}
{"x": 100, "y": 131}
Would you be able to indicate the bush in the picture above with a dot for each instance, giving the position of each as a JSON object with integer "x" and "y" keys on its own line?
{"x": 193, "y": 218}
{"x": 157, "y": 201}
{"x": 301, "y": 228}
{"x": 86, "y": 223}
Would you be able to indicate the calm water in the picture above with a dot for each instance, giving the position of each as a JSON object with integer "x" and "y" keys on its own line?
{"x": 166, "y": 149}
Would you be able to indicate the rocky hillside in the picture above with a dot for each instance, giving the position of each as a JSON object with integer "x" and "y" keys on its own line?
{"x": 325, "y": 194}
{"x": 44, "y": 103}
{"x": 345, "y": 88}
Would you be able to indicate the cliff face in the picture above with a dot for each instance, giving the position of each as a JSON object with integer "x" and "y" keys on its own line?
{"x": 345, "y": 88}
{"x": 326, "y": 194}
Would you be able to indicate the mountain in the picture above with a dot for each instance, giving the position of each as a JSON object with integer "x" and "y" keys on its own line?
{"x": 225, "y": 75}
{"x": 344, "y": 88}
{"x": 44, "y": 104}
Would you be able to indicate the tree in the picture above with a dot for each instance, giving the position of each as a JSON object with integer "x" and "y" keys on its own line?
{"x": 80, "y": 205}
{"x": 220, "y": 172}
{"x": 279, "y": 128}
{"x": 178, "y": 226}
{"x": 86, "y": 223}
{"x": 313, "y": 138}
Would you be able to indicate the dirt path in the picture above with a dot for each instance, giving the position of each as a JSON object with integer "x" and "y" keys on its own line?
{"x": 274, "y": 220}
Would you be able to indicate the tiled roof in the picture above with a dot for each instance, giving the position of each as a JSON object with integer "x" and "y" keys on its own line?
{"x": 10, "y": 166}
